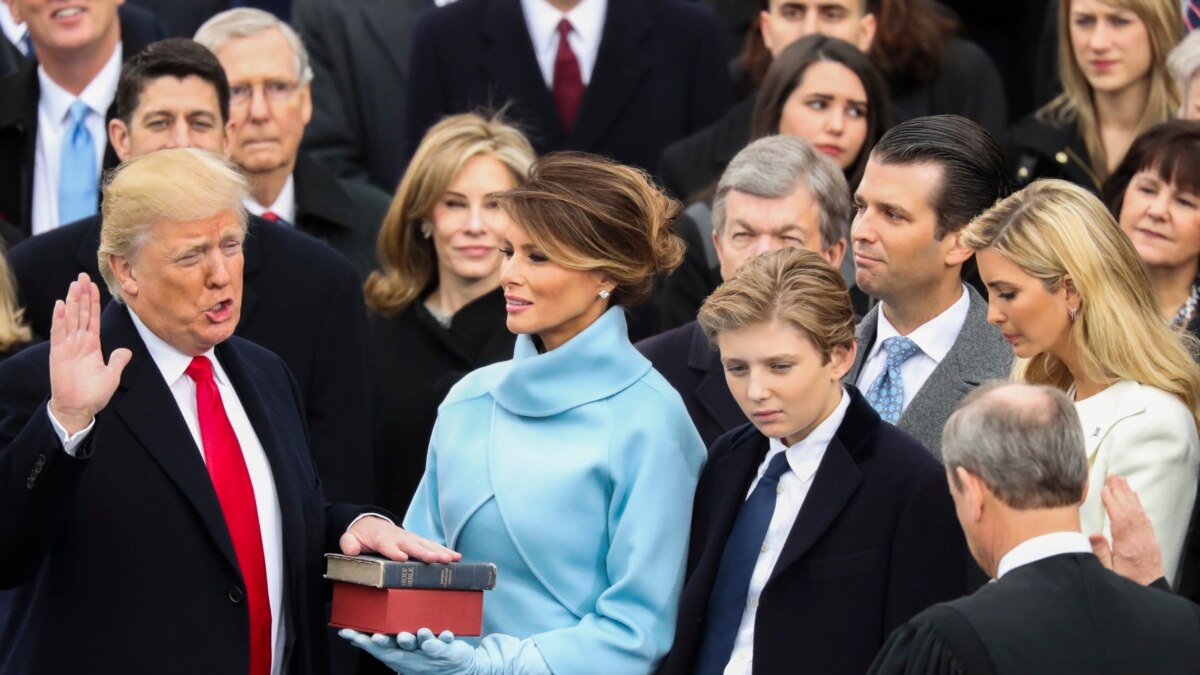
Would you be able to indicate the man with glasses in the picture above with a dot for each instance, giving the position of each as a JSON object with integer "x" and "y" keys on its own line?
{"x": 270, "y": 104}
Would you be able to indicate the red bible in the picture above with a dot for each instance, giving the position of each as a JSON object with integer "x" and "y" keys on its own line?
{"x": 396, "y": 610}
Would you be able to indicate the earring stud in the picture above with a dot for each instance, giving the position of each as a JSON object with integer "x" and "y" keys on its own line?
{"x": 604, "y": 294}
{"x": 1071, "y": 312}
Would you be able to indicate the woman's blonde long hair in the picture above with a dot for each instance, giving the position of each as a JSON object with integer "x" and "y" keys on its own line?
{"x": 13, "y": 329}
{"x": 1164, "y": 25}
{"x": 1053, "y": 229}
{"x": 407, "y": 260}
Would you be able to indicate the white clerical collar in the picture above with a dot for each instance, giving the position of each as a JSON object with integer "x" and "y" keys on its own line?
{"x": 935, "y": 337}
{"x": 170, "y": 361}
{"x": 805, "y": 456}
{"x": 1040, "y": 548}
{"x": 98, "y": 94}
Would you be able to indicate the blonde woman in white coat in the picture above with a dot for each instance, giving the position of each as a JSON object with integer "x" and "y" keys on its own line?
{"x": 1069, "y": 293}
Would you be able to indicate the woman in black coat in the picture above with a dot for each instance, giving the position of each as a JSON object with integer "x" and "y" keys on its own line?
{"x": 1112, "y": 63}
{"x": 437, "y": 311}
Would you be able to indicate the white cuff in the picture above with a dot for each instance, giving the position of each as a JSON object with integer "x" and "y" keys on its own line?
{"x": 71, "y": 442}
{"x": 360, "y": 517}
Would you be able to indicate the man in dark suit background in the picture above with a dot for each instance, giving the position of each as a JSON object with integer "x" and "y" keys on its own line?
{"x": 302, "y": 300}
{"x": 1017, "y": 470}
{"x": 927, "y": 342}
{"x": 631, "y": 76}
{"x": 777, "y": 192}
{"x": 817, "y": 528}
{"x": 78, "y": 61}
{"x": 360, "y": 51}
{"x": 270, "y": 104}
{"x": 164, "y": 514}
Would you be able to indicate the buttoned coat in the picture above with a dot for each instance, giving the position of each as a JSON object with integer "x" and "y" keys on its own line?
{"x": 120, "y": 554}
{"x": 979, "y": 354}
{"x": 591, "y": 461}
{"x": 875, "y": 542}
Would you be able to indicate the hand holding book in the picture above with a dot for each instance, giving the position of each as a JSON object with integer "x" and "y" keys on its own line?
{"x": 424, "y": 654}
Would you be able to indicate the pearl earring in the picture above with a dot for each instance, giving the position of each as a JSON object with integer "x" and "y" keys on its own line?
{"x": 604, "y": 293}
{"x": 426, "y": 230}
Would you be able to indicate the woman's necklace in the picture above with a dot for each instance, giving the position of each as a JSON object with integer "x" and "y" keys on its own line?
{"x": 1184, "y": 316}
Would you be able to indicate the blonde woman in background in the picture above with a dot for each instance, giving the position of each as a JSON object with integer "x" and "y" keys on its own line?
{"x": 1068, "y": 291}
{"x": 1112, "y": 62}
{"x": 436, "y": 308}
{"x": 14, "y": 331}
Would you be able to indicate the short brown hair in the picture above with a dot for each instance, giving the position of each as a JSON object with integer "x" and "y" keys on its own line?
{"x": 793, "y": 285}
{"x": 589, "y": 213}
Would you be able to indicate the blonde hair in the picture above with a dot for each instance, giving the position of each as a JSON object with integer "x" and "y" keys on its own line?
{"x": 1053, "y": 229}
{"x": 795, "y": 286}
{"x": 13, "y": 329}
{"x": 1164, "y": 26}
{"x": 407, "y": 260}
{"x": 178, "y": 184}
{"x": 588, "y": 213}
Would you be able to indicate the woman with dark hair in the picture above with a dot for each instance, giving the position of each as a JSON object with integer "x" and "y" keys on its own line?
{"x": 825, "y": 91}
{"x": 1112, "y": 61}
{"x": 573, "y": 465}
{"x": 1155, "y": 195}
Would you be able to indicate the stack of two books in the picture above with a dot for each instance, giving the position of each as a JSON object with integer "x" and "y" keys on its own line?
{"x": 377, "y": 595}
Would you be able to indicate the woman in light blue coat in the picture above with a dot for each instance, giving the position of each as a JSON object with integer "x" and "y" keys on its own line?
{"x": 573, "y": 465}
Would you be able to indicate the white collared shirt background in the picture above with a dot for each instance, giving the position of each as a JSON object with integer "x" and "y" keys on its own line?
{"x": 587, "y": 23}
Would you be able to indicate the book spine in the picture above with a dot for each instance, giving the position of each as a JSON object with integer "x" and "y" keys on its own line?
{"x": 461, "y": 577}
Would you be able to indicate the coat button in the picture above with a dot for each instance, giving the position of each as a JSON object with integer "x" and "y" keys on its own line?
{"x": 1060, "y": 157}
{"x": 41, "y": 461}
{"x": 29, "y": 482}
{"x": 236, "y": 595}
{"x": 1023, "y": 173}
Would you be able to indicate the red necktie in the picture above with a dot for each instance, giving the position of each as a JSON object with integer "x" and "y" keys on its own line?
{"x": 271, "y": 216}
{"x": 227, "y": 467}
{"x": 568, "y": 83}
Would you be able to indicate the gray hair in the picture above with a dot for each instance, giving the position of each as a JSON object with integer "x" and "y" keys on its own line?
{"x": 1023, "y": 441}
{"x": 1182, "y": 63}
{"x": 246, "y": 22}
{"x": 773, "y": 167}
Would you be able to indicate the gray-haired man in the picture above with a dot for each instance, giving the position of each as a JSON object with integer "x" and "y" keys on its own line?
{"x": 777, "y": 192}
{"x": 1017, "y": 470}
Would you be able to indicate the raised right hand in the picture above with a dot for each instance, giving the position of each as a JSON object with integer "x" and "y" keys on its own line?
{"x": 81, "y": 384}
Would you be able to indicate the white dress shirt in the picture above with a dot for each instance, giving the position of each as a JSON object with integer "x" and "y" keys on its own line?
{"x": 587, "y": 24}
{"x": 54, "y": 121}
{"x": 1040, "y": 548}
{"x": 284, "y": 205}
{"x": 172, "y": 363}
{"x": 803, "y": 458}
{"x": 15, "y": 32}
{"x": 934, "y": 340}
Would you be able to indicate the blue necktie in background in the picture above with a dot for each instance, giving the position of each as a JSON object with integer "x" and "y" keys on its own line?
{"x": 78, "y": 184}
{"x": 728, "y": 600}
{"x": 886, "y": 394}
{"x": 1191, "y": 15}
{"x": 27, "y": 46}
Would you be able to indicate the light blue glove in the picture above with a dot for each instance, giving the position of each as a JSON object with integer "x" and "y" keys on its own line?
{"x": 423, "y": 654}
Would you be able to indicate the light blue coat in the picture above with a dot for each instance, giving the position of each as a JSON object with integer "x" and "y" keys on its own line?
{"x": 574, "y": 470}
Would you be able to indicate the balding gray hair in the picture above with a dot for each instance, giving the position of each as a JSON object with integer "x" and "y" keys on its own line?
{"x": 773, "y": 167}
{"x": 246, "y": 22}
{"x": 1182, "y": 63}
{"x": 1023, "y": 441}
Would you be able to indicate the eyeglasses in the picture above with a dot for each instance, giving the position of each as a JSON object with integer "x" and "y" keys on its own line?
{"x": 275, "y": 91}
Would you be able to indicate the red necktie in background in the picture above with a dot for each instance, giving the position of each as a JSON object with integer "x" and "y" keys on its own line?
{"x": 568, "y": 83}
{"x": 271, "y": 216}
{"x": 231, "y": 479}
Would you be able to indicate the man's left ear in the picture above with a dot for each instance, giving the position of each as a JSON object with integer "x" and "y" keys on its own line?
{"x": 306, "y": 106}
{"x": 958, "y": 254}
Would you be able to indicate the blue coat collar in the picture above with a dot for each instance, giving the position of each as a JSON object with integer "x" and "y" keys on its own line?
{"x": 593, "y": 365}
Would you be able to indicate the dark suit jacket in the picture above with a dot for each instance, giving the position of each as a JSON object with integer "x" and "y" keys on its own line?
{"x": 414, "y": 362}
{"x": 342, "y": 213}
{"x": 684, "y": 357}
{"x": 1037, "y": 149}
{"x": 693, "y": 165}
{"x": 657, "y": 77}
{"x": 182, "y": 19}
{"x": 19, "y": 119}
{"x": 124, "y": 546}
{"x": 300, "y": 299}
{"x": 1062, "y": 614}
{"x": 876, "y": 542}
{"x": 359, "y": 55}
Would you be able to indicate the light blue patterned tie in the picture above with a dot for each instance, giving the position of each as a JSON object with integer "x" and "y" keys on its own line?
{"x": 77, "y": 180}
{"x": 886, "y": 393}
